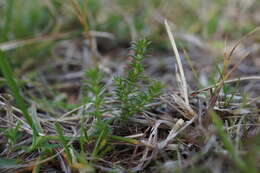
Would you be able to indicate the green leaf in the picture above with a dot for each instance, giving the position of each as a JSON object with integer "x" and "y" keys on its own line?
{"x": 7, "y": 73}
{"x": 228, "y": 145}
{"x": 7, "y": 163}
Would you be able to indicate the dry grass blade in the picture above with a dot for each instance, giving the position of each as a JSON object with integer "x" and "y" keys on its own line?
{"x": 226, "y": 82}
{"x": 82, "y": 16}
{"x": 241, "y": 40}
{"x": 225, "y": 73}
{"x": 183, "y": 106}
{"x": 214, "y": 98}
{"x": 19, "y": 43}
{"x": 179, "y": 105}
{"x": 10, "y": 45}
{"x": 173, "y": 133}
{"x": 184, "y": 89}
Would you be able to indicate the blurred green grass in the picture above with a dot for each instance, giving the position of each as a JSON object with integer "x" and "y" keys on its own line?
{"x": 25, "y": 19}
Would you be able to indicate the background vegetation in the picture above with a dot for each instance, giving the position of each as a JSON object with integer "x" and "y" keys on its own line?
{"x": 80, "y": 91}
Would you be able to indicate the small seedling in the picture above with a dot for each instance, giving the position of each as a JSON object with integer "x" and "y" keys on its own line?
{"x": 13, "y": 134}
{"x": 135, "y": 90}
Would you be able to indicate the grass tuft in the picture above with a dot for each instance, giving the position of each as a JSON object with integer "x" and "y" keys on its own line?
{"x": 7, "y": 73}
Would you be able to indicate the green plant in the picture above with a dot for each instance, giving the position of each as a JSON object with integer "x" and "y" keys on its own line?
{"x": 63, "y": 141}
{"x": 228, "y": 91}
{"x": 228, "y": 145}
{"x": 7, "y": 73}
{"x": 31, "y": 120}
{"x": 135, "y": 90}
{"x": 13, "y": 134}
{"x": 5, "y": 163}
{"x": 132, "y": 93}
{"x": 95, "y": 96}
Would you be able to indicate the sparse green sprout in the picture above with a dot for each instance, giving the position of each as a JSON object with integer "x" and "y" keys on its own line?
{"x": 13, "y": 134}
{"x": 228, "y": 91}
{"x": 135, "y": 90}
{"x": 94, "y": 90}
{"x": 63, "y": 140}
{"x": 93, "y": 83}
{"x": 227, "y": 143}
